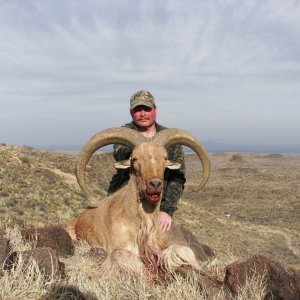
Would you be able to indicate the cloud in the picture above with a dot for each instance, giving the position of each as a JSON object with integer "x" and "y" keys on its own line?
{"x": 213, "y": 65}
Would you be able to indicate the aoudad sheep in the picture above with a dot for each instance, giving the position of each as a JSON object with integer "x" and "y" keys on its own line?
{"x": 126, "y": 223}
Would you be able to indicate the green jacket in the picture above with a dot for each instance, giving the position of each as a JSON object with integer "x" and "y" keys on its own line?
{"x": 174, "y": 179}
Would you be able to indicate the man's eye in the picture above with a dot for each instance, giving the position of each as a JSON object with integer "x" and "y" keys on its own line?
{"x": 142, "y": 108}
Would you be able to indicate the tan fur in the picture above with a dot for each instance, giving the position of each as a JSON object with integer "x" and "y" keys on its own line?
{"x": 176, "y": 256}
{"x": 126, "y": 224}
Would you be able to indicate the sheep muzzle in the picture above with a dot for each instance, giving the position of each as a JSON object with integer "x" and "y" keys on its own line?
{"x": 153, "y": 190}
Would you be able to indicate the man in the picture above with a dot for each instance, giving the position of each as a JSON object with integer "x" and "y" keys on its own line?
{"x": 143, "y": 112}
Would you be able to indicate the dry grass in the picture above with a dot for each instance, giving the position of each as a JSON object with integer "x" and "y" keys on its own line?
{"x": 251, "y": 204}
{"x": 84, "y": 280}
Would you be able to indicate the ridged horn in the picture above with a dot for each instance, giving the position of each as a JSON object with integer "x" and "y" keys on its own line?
{"x": 120, "y": 135}
{"x": 173, "y": 136}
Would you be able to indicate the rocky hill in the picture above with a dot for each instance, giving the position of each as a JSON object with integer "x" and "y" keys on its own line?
{"x": 251, "y": 203}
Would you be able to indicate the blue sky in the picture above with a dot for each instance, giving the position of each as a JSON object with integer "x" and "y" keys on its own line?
{"x": 228, "y": 71}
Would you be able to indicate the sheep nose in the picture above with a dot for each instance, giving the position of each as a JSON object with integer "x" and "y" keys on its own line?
{"x": 154, "y": 183}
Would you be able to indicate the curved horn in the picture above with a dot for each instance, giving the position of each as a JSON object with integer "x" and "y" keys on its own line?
{"x": 122, "y": 135}
{"x": 173, "y": 136}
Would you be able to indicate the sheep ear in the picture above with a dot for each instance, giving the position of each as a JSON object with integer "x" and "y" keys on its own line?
{"x": 172, "y": 165}
{"x": 123, "y": 164}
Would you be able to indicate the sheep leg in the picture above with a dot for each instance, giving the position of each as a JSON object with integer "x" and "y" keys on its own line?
{"x": 122, "y": 261}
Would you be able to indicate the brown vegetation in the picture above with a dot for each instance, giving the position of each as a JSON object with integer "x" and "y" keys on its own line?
{"x": 250, "y": 208}
{"x": 246, "y": 208}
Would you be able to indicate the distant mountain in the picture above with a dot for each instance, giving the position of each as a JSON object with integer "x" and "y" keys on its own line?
{"x": 220, "y": 147}
{"x": 68, "y": 148}
{"x": 209, "y": 146}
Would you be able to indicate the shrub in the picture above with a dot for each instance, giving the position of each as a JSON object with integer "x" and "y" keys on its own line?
{"x": 24, "y": 159}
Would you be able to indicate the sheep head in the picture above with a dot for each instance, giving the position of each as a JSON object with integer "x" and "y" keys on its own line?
{"x": 148, "y": 160}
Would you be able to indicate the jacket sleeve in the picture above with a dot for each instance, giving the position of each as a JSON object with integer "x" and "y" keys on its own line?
{"x": 174, "y": 181}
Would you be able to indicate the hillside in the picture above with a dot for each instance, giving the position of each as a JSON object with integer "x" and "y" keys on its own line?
{"x": 251, "y": 203}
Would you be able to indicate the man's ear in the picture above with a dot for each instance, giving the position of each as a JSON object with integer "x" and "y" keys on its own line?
{"x": 172, "y": 165}
{"x": 122, "y": 164}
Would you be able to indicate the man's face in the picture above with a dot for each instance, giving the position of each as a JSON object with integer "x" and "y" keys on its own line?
{"x": 143, "y": 116}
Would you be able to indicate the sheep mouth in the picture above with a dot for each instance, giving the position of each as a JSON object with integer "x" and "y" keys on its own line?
{"x": 153, "y": 197}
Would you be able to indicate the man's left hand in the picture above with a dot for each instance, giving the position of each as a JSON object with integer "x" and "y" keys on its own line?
{"x": 165, "y": 221}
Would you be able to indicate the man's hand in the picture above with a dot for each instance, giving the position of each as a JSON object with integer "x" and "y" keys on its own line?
{"x": 165, "y": 221}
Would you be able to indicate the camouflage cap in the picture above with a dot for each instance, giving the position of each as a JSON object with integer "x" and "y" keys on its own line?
{"x": 142, "y": 98}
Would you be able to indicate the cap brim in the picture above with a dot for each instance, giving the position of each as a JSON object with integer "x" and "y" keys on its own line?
{"x": 141, "y": 104}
